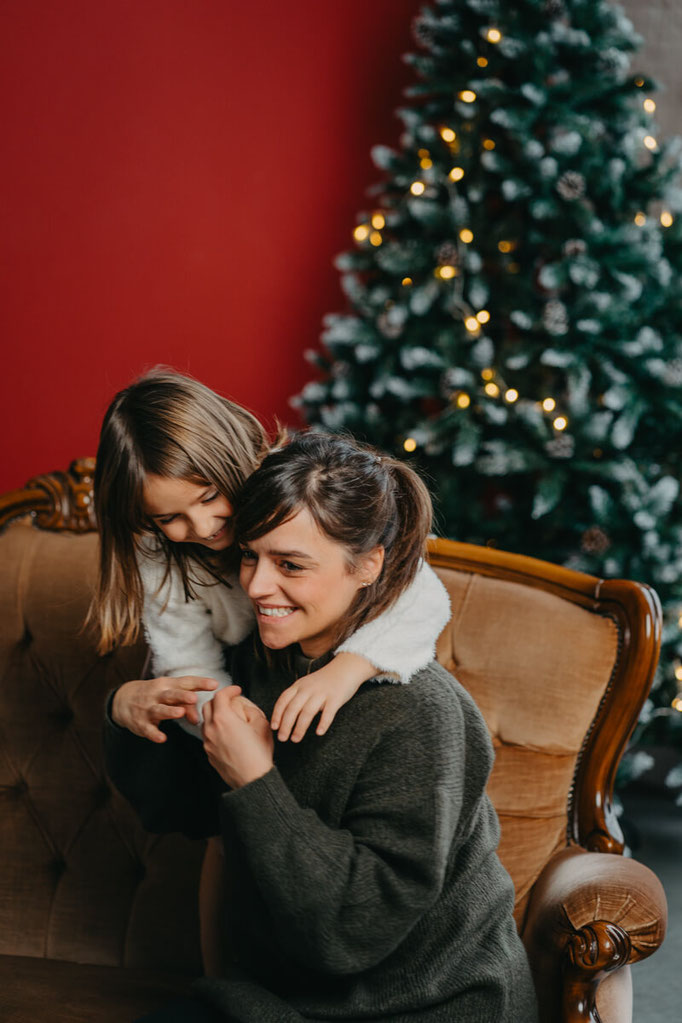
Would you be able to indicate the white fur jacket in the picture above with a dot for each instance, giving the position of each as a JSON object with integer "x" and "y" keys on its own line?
{"x": 187, "y": 637}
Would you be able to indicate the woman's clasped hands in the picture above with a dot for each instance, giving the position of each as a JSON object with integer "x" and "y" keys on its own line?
{"x": 238, "y": 739}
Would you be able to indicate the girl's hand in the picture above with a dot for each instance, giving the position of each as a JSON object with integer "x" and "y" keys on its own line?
{"x": 322, "y": 692}
{"x": 237, "y": 738}
{"x": 142, "y": 704}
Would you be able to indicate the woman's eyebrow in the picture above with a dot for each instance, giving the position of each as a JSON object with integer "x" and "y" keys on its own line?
{"x": 300, "y": 555}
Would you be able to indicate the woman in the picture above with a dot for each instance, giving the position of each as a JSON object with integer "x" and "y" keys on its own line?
{"x": 367, "y": 882}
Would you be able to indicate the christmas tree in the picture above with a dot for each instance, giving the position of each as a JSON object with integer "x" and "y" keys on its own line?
{"x": 515, "y": 300}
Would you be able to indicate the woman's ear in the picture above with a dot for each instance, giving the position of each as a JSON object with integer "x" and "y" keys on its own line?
{"x": 371, "y": 565}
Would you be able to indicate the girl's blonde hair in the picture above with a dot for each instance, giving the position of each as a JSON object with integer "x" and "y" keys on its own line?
{"x": 168, "y": 425}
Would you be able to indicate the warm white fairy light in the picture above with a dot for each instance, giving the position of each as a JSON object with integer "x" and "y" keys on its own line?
{"x": 650, "y": 142}
{"x": 492, "y": 390}
{"x": 640, "y": 219}
{"x": 466, "y": 235}
{"x": 472, "y": 324}
{"x": 493, "y": 35}
{"x": 410, "y": 444}
{"x": 667, "y": 218}
{"x": 448, "y": 135}
{"x": 456, "y": 174}
{"x": 467, "y": 96}
{"x": 488, "y": 144}
{"x": 463, "y": 400}
{"x": 375, "y": 239}
{"x": 426, "y": 162}
{"x": 511, "y": 395}
{"x": 417, "y": 187}
{"x": 560, "y": 423}
{"x": 406, "y": 281}
{"x": 483, "y": 316}
{"x": 549, "y": 404}
{"x": 482, "y": 61}
{"x": 649, "y": 105}
{"x": 378, "y": 221}
{"x": 361, "y": 233}
{"x": 446, "y": 272}
{"x": 504, "y": 246}
{"x": 488, "y": 373}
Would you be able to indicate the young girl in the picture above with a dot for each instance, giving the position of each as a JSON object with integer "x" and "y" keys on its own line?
{"x": 172, "y": 456}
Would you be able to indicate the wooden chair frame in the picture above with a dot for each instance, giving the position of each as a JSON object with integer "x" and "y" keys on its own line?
{"x": 64, "y": 501}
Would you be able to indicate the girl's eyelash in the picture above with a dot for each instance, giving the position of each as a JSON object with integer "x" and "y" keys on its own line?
{"x": 166, "y": 522}
{"x": 211, "y": 497}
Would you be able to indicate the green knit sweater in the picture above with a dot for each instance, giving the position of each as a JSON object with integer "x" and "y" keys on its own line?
{"x": 367, "y": 882}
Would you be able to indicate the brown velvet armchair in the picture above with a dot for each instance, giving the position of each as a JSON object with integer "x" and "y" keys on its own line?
{"x": 98, "y": 920}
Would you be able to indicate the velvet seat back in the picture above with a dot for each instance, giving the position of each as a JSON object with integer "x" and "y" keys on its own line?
{"x": 79, "y": 878}
{"x": 538, "y": 666}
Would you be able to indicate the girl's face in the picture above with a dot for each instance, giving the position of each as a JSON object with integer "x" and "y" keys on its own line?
{"x": 301, "y": 585}
{"x": 188, "y": 512}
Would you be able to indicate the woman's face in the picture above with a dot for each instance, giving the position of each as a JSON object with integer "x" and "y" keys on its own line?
{"x": 188, "y": 512}
{"x": 301, "y": 585}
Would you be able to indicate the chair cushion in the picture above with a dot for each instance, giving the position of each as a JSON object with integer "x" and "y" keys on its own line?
{"x": 32, "y": 990}
{"x": 537, "y": 666}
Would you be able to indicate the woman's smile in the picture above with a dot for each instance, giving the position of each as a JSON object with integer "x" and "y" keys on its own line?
{"x": 300, "y": 584}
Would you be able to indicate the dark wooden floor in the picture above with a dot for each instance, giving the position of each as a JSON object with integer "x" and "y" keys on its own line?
{"x": 655, "y": 827}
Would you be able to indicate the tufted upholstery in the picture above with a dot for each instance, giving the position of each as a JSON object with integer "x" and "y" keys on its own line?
{"x": 79, "y": 879}
{"x": 98, "y": 920}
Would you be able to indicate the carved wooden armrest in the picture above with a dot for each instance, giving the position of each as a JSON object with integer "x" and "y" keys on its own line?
{"x": 589, "y": 915}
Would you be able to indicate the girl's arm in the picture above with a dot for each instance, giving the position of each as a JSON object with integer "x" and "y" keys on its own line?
{"x": 395, "y": 645}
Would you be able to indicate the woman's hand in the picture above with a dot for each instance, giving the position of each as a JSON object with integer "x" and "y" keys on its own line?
{"x": 237, "y": 738}
{"x": 142, "y": 704}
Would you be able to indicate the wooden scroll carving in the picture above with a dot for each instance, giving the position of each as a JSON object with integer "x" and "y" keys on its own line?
{"x": 57, "y": 500}
{"x": 594, "y": 951}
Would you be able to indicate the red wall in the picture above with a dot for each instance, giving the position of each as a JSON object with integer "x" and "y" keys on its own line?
{"x": 177, "y": 177}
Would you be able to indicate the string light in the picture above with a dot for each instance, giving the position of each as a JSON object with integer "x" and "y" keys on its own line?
{"x": 361, "y": 233}
{"x": 493, "y": 35}
{"x": 482, "y": 61}
{"x": 560, "y": 423}
{"x": 511, "y": 395}
{"x": 467, "y": 96}
{"x": 650, "y": 142}
{"x": 679, "y": 620}
{"x": 549, "y": 404}
{"x": 426, "y": 162}
{"x": 483, "y": 316}
{"x": 677, "y": 703}
{"x": 487, "y": 374}
{"x": 448, "y": 135}
{"x": 505, "y": 246}
{"x": 406, "y": 281}
{"x": 466, "y": 235}
{"x": 447, "y": 272}
{"x": 492, "y": 390}
{"x": 640, "y": 219}
{"x": 375, "y": 239}
{"x": 410, "y": 444}
{"x": 417, "y": 187}
{"x": 513, "y": 268}
{"x": 678, "y": 672}
{"x": 667, "y": 218}
{"x": 463, "y": 400}
{"x": 456, "y": 174}
{"x": 639, "y": 82}
{"x": 488, "y": 144}
{"x": 472, "y": 324}
{"x": 649, "y": 105}
{"x": 378, "y": 221}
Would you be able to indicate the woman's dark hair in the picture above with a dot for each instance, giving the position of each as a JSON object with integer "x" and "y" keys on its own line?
{"x": 357, "y": 496}
{"x": 169, "y": 425}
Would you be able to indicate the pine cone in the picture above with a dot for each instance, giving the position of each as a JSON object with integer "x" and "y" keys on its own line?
{"x": 571, "y": 185}
{"x": 595, "y": 541}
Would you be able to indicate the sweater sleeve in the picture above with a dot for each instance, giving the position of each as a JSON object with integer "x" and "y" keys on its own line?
{"x": 342, "y": 899}
{"x": 402, "y": 640}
